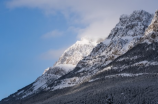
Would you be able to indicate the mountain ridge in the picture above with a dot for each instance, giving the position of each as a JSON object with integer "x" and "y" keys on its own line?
{"x": 126, "y": 53}
{"x": 105, "y": 52}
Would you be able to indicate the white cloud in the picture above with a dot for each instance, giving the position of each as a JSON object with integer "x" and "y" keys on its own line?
{"x": 52, "y": 54}
{"x": 96, "y": 30}
{"x": 97, "y": 16}
{"x": 54, "y": 33}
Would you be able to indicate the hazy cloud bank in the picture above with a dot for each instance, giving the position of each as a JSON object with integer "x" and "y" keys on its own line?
{"x": 98, "y": 16}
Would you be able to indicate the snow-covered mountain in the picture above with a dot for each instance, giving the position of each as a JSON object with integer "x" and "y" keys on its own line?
{"x": 87, "y": 69}
{"x": 123, "y": 37}
{"x": 65, "y": 64}
{"x": 143, "y": 56}
{"x": 126, "y": 34}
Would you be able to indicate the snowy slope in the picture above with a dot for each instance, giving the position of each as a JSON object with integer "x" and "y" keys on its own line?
{"x": 49, "y": 75}
{"x": 76, "y": 52}
{"x": 65, "y": 64}
{"x": 126, "y": 34}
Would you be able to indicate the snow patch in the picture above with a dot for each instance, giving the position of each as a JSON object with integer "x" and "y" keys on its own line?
{"x": 145, "y": 63}
{"x": 124, "y": 75}
{"x": 67, "y": 83}
{"x": 20, "y": 92}
{"x": 92, "y": 80}
{"x": 66, "y": 67}
{"x": 45, "y": 70}
{"x": 107, "y": 41}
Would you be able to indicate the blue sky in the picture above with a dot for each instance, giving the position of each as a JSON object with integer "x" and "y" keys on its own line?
{"x": 23, "y": 47}
{"x": 34, "y": 33}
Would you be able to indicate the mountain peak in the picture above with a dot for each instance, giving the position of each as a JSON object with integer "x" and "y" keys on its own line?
{"x": 86, "y": 41}
{"x": 131, "y": 25}
{"x": 76, "y": 52}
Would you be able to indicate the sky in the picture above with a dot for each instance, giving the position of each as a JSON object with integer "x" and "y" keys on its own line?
{"x": 34, "y": 33}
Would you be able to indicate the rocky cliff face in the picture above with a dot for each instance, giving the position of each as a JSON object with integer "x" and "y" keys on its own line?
{"x": 153, "y": 27}
{"x": 66, "y": 63}
{"x": 76, "y": 52}
{"x": 127, "y": 34}
{"x": 123, "y": 37}
{"x": 142, "y": 59}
